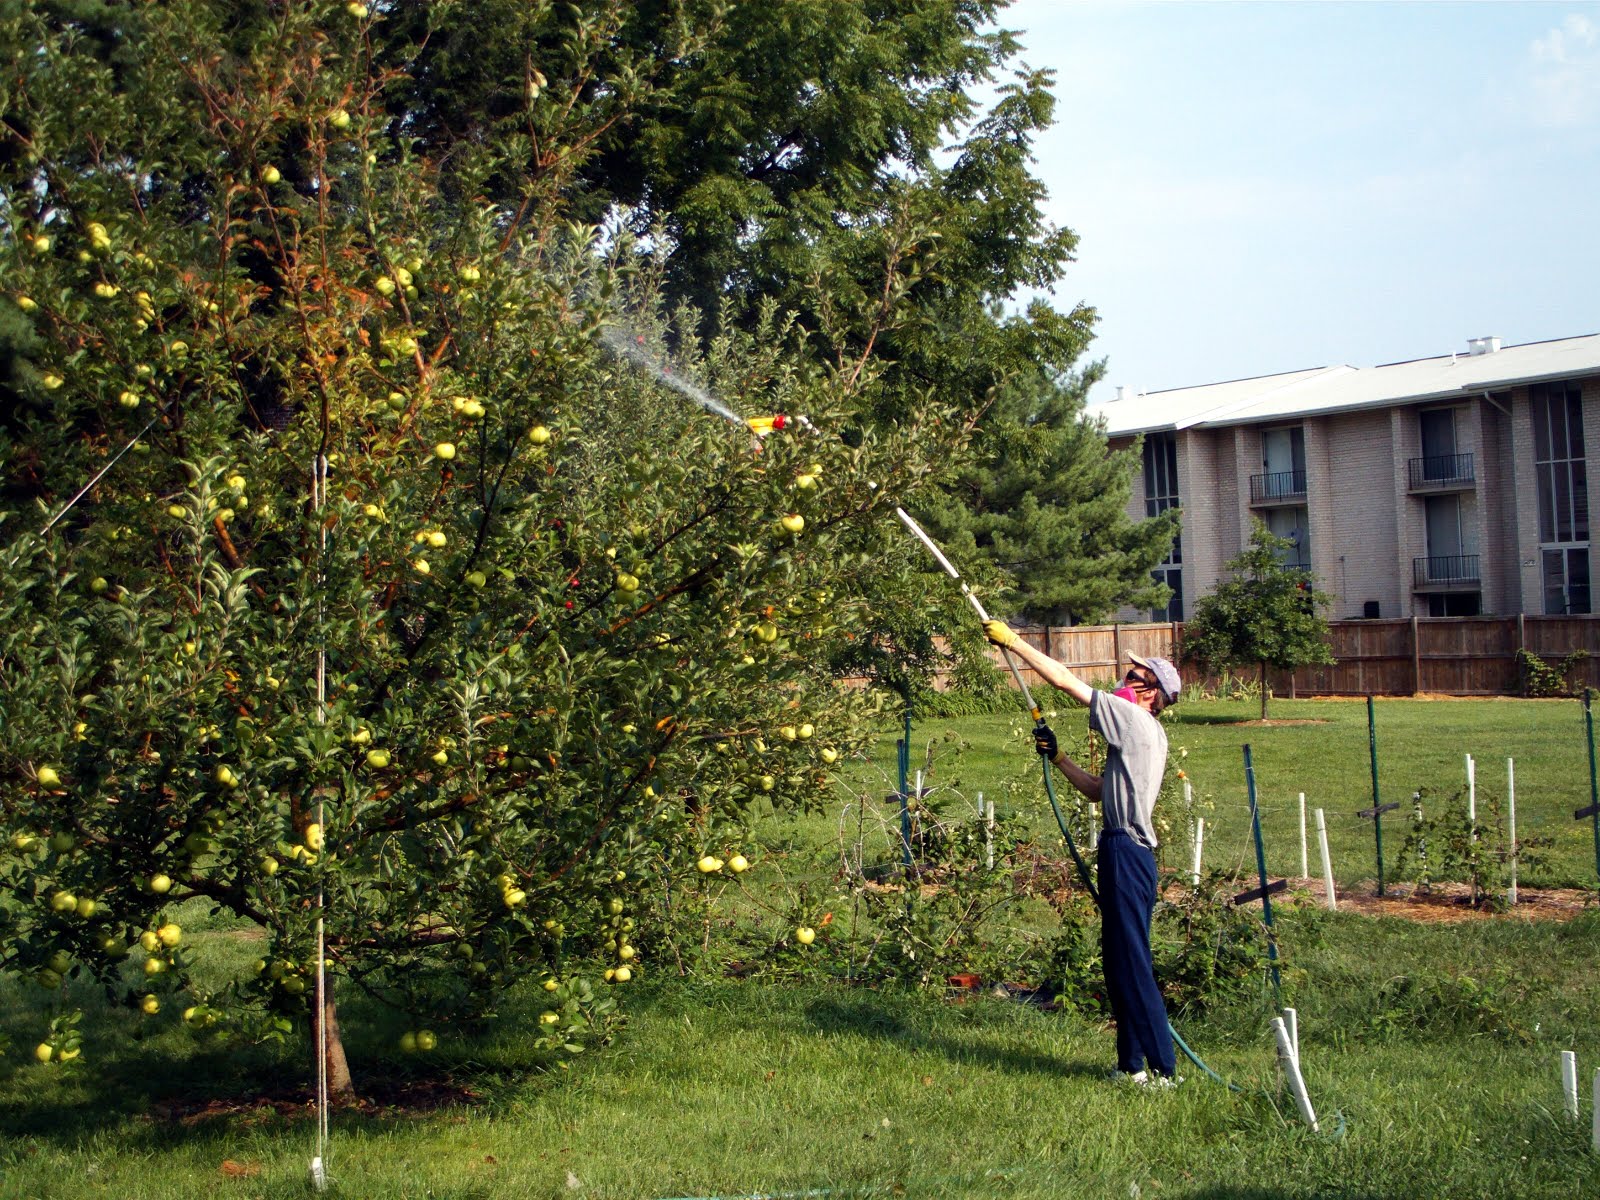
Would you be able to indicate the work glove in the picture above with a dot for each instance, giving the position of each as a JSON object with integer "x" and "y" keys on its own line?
{"x": 1044, "y": 741}
{"x": 1000, "y": 634}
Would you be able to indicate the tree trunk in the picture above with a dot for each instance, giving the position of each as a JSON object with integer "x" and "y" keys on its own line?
{"x": 340, "y": 1089}
{"x": 1263, "y": 690}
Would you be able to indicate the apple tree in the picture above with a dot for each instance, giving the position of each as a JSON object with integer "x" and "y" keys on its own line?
{"x": 355, "y": 580}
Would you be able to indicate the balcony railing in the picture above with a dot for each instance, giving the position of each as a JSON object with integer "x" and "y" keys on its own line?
{"x": 1444, "y": 571}
{"x": 1278, "y": 487}
{"x": 1442, "y": 473}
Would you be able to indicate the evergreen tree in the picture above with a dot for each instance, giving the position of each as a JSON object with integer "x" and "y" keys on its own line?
{"x": 1264, "y": 615}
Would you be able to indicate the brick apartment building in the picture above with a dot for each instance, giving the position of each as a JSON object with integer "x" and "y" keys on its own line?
{"x": 1451, "y": 486}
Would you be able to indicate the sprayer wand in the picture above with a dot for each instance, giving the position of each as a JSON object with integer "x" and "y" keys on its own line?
{"x": 949, "y": 567}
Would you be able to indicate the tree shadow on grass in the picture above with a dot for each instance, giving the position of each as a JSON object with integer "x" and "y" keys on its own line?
{"x": 864, "y": 1018}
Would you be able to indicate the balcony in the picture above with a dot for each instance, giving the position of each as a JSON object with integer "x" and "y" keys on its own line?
{"x": 1446, "y": 573}
{"x": 1442, "y": 473}
{"x": 1278, "y": 487}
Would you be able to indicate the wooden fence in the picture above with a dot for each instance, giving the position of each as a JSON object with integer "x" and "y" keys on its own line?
{"x": 1452, "y": 656}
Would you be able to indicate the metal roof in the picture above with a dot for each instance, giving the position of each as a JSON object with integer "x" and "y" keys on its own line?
{"x": 1342, "y": 389}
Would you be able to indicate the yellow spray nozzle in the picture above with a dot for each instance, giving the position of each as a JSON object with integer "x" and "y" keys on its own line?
{"x": 761, "y": 426}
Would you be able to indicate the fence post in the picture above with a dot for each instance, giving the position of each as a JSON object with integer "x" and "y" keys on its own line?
{"x": 1416, "y": 655}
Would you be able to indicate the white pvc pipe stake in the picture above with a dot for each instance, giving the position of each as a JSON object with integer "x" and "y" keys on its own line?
{"x": 1291, "y": 1022}
{"x": 1569, "y": 1084}
{"x": 1472, "y": 796}
{"x": 1327, "y": 862}
{"x": 1511, "y": 805}
{"x": 1595, "y": 1135}
{"x": 1305, "y": 869}
{"x": 1199, "y": 849}
{"x": 1291, "y": 1069}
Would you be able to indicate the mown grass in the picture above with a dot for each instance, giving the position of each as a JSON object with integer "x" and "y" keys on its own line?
{"x": 1431, "y": 1051}
{"x": 1421, "y": 746}
{"x": 727, "y": 1089}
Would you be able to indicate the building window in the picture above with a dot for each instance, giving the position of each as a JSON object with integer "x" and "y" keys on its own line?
{"x": 1160, "y": 494}
{"x": 1293, "y": 525}
{"x": 1561, "y": 475}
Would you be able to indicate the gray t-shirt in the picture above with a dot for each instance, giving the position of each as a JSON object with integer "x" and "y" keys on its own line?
{"x": 1136, "y": 758}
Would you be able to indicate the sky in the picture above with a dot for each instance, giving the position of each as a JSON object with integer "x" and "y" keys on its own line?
{"x": 1263, "y": 187}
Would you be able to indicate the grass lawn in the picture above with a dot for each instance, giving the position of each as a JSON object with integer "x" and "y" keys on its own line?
{"x": 1421, "y": 746}
{"x": 1430, "y": 1051}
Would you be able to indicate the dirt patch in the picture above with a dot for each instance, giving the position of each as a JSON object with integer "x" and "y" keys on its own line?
{"x": 1451, "y": 903}
{"x": 380, "y": 1097}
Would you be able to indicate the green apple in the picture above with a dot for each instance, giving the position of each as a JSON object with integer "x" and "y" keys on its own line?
{"x": 421, "y": 567}
{"x": 226, "y": 777}
{"x": 170, "y": 935}
{"x": 622, "y": 974}
{"x": 62, "y": 842}
{"x": 64, "y": 902}
{"x": 384, "y": 285}
{"x": 47, "y": 979}
{"x": 539, "y": 435}
{"x": 739, "y": 864}
{"x": 408, "y": 1042}
{"x": 514, "y": 897}
{"x": 468, "y": 273}
{"x": 294, "y": 985}
{"x": 551, "y": 985}
{"x": 789, "y": 733}
{"x": 625, "y": 952}
{"x": 709, "y": 864}
{"x": 50, "y": 381}
{"x": 359, "y": 11}
{"x": 767, "y": 631}
{"x": 149, "y": 941}
{"x": 377, "y": 759}
{"x": 59, "y": 962}
{"x": 444, "y": 451}
{"x": 48, "y": 777}
{"x": 805, "y": 935}
{"x": 426, "y": 1039}
{"x": 548, "y": 1018}
{"x": 313, "y": 835}
{"x": 154, "y": 966}
{"x": 339, "y": 119}
{"x": 438, "y": 539}
{"x": 806, "y": 730}
{"x": 830, "y": 755}
{"x": 26, "y": 304}
{"x": 160, "y": 884}
{"x": 477, "y": 579}
{"x": 87, "y": 907}
{"x": 627, "y": 582}
{"x": 792, "y": 522}
{"x": 270, "y": 174}
{"x": 43, "y": 1051}
{"x": 767, "y": 783}
{"x": 42, "y": 244}
{"x": 150, "y": 1005}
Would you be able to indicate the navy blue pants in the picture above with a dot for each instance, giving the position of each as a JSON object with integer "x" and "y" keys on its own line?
{"x": 1127, "y": 898}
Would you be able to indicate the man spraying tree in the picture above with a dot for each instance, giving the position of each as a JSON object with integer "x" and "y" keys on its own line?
{"x": 1136, "y": 758}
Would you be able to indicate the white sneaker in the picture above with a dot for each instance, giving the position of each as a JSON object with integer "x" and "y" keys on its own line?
{"x": 1134, "y": 1077}
{"x": 1157, "y": 1082}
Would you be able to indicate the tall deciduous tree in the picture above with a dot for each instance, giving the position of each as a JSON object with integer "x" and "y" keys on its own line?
{"x": 1264, "y": 615}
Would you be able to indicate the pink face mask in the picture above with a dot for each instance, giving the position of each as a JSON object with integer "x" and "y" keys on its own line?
{"x": 1128, "y": 694}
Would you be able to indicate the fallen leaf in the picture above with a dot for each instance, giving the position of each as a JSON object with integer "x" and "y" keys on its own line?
{"x": 240, "y": 1170}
